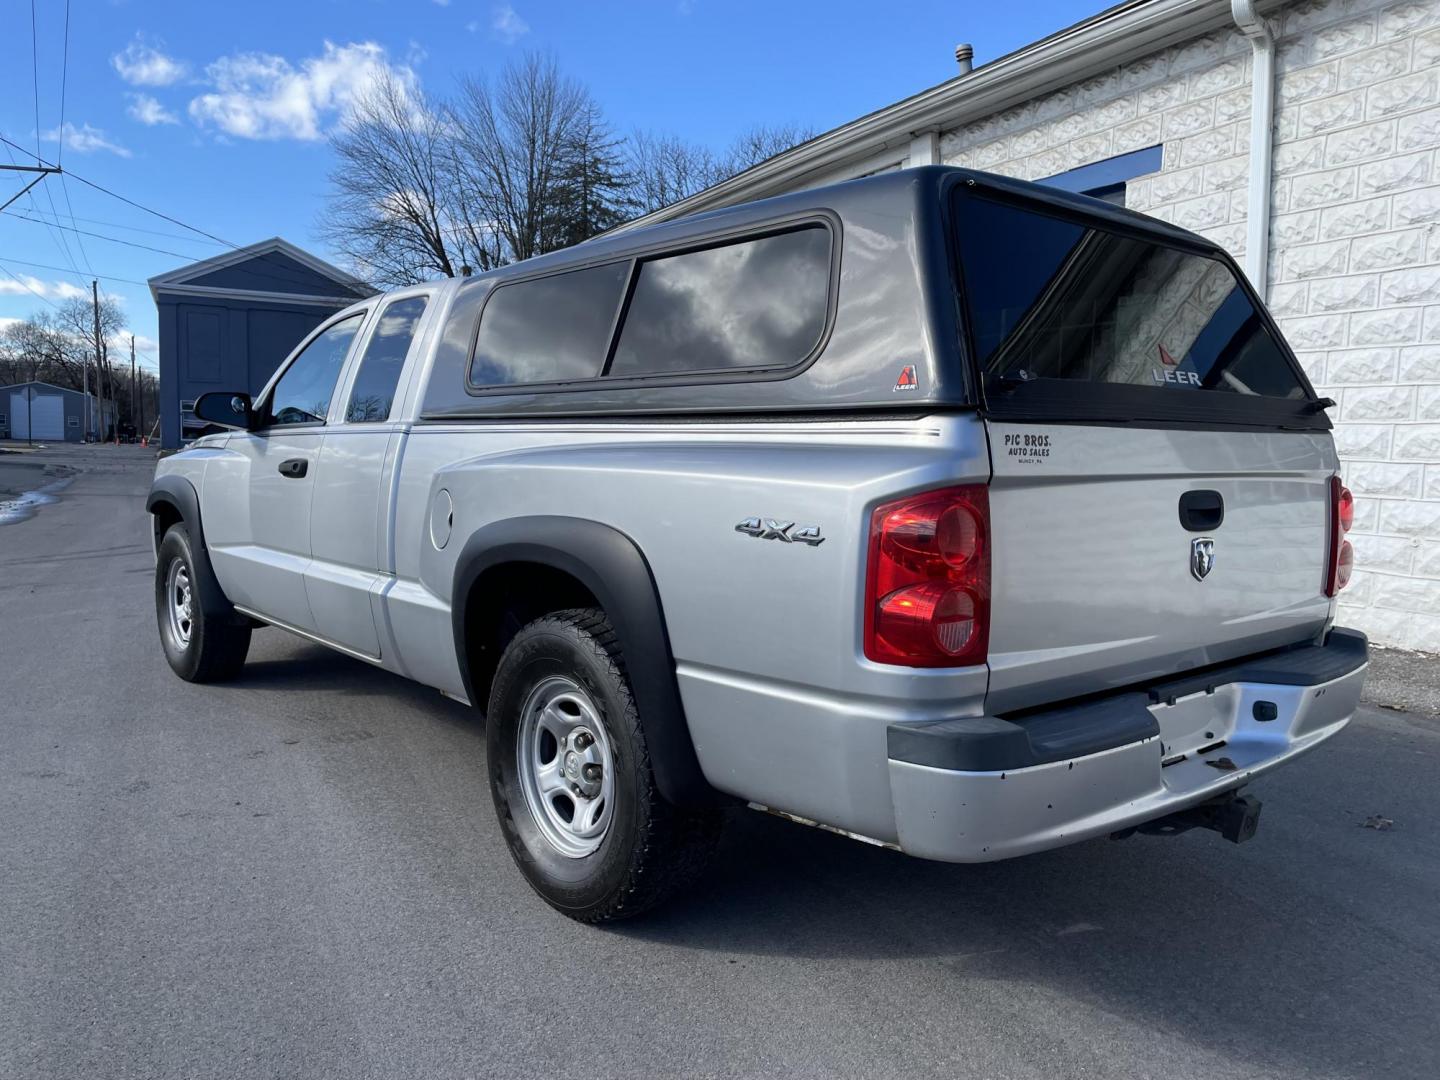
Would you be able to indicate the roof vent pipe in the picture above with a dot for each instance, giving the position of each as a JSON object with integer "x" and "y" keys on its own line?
{"x": 964, "y": 53}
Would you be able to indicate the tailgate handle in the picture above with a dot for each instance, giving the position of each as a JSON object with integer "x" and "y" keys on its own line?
{"x": 1201, "y": 510}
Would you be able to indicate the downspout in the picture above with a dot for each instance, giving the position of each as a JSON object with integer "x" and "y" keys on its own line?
{"x": 1262, "y": 126}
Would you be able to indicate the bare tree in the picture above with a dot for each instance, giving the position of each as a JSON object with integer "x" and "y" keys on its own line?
{"x": 762, "y": 142}
{"x": 47, "y": 347}
{"x": 511, "y": 168}
{"x": 392, "y": 212}
{"x": 514, "y": 142}
{"x": 665, "y": 168}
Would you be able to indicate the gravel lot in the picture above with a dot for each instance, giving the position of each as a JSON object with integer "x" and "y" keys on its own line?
{"x": 299, "y": 875}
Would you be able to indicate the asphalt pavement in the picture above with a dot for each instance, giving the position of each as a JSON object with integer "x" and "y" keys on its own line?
{"x": 300, "y": 875}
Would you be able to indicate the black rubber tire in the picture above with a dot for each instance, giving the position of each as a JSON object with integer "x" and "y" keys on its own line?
{"x": 652, "y": 849}
{"x": 218, "y": 641}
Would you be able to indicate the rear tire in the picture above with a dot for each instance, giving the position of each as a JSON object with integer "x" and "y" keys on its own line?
{"x": 201, "y": 644}
{"x": 570, "y": 774}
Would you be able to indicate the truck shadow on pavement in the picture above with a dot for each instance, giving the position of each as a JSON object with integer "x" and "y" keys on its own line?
{"x": 1274, "y": 957}
{"x": 1186, "y": 937}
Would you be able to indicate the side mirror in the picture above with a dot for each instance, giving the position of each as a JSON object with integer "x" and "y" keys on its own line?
{"x": 226, "y": 408}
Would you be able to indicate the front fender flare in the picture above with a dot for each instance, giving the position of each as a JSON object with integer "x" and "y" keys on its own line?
{"x": 610, "y": 565}
{"x": 178, "y": 492}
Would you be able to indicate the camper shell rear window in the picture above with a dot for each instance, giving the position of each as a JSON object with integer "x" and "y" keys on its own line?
{"x": 1069, "y": 318}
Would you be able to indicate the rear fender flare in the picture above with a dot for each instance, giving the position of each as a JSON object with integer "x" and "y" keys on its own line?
{"x": 610, "y": 565}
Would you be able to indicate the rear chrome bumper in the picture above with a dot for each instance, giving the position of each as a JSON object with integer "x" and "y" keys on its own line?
{"x": 978, "y": 790}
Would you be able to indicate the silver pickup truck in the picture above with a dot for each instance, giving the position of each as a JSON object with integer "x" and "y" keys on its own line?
{"x": 953, "y": 513}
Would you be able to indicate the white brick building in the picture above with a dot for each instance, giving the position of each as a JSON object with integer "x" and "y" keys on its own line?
{"x": 1153, "y": 101}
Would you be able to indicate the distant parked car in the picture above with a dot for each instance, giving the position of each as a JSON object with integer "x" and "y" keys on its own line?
{"x": 946, "y": 511}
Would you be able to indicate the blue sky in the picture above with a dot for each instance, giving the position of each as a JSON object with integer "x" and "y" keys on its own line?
{"x": 217, "y": 114}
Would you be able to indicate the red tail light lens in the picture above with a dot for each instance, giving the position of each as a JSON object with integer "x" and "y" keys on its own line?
{"x": 1341, "y": 560}
{"x": 1345, "y": 506}
{"x": 928, "y": 579}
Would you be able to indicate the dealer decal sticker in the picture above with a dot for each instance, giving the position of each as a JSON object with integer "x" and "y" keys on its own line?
{"x": 1027, "y": 447}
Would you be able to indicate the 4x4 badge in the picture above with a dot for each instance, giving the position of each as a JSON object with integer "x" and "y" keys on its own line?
{"x": 1202, "y": 557}
{"x": 770, "y": 529}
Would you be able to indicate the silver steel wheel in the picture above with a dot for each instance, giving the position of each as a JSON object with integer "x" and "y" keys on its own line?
{"x": 179, "y": 601}
{"x": 566, "y": 767}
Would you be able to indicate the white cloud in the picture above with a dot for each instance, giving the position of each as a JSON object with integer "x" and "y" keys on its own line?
{"x": 84, "y": 139}
{"x": 147, "y": 110}
{"x": 119, "y": 344}
{"x": 33, "y": 286}
{"x": 508, "y": 26}
{"x": 443, "y": 3}
{"x": 145, "y": 65}
{"x": 263, "y": 96}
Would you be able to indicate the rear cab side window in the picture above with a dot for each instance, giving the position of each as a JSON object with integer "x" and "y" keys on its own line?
{"x": 373, "y": 394}
{"x": 757, "y": 303}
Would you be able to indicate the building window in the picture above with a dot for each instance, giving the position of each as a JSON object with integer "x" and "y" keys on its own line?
{"x": 72, "y": 421}
{"x": 1106, "y": 179}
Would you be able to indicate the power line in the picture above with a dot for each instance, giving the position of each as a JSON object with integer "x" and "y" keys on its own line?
{"x": 39, "y": 296}
{"x": 290, "y": 279}
{"x": 35, "y": 80}
{"x": 35, "y": 86}
{"x": 99, "y": 236}
{"x": 64, "y": 81}
{"x": 70, "y": 207}
{"x": 62, "y": 270}
{"x": 139, "y": 229}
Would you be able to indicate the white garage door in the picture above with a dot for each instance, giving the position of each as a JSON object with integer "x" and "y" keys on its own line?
{"x": 46, "y": 412}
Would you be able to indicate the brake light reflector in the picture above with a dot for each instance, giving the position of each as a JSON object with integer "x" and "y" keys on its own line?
{"x": 927, "y": 594}
{"x": 1341, "y": 560}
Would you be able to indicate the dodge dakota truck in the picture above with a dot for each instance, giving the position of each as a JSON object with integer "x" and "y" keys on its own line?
{"x": 950, "y": 512}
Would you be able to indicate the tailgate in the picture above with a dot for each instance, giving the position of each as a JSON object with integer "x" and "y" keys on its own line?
{"x": 1095, "y": 577}
{"x": 1161, "y": 468}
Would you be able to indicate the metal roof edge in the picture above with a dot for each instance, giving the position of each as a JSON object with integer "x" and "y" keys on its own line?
{"x": 1105, "y": 40}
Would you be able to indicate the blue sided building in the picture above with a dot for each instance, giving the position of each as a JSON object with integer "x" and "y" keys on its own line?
{"x": 227, "y": 323}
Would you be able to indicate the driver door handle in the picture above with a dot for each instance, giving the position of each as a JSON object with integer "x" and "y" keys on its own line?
{"x": 294, "y": 468}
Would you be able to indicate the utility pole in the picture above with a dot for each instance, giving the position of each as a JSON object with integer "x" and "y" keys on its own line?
{"x": 95, "y": 300}
{"x": 132, "y": 384}
{"x": 29, "y": 406}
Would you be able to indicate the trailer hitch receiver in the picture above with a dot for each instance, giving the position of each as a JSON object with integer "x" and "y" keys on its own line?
{"x": 1232, "y": 815}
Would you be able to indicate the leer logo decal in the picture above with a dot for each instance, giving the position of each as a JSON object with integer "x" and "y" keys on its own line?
{"x": 1166, "y": 373}
{"x": 907, "y": 380}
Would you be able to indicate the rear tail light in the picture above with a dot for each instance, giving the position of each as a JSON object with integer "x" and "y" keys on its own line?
{"x": 927, "y": 587}
{"x": 1341, "y": 558}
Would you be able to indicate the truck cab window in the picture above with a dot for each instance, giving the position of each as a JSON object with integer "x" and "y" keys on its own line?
{"x": 373, "y": 394}
{"x": 302, "y": 394}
